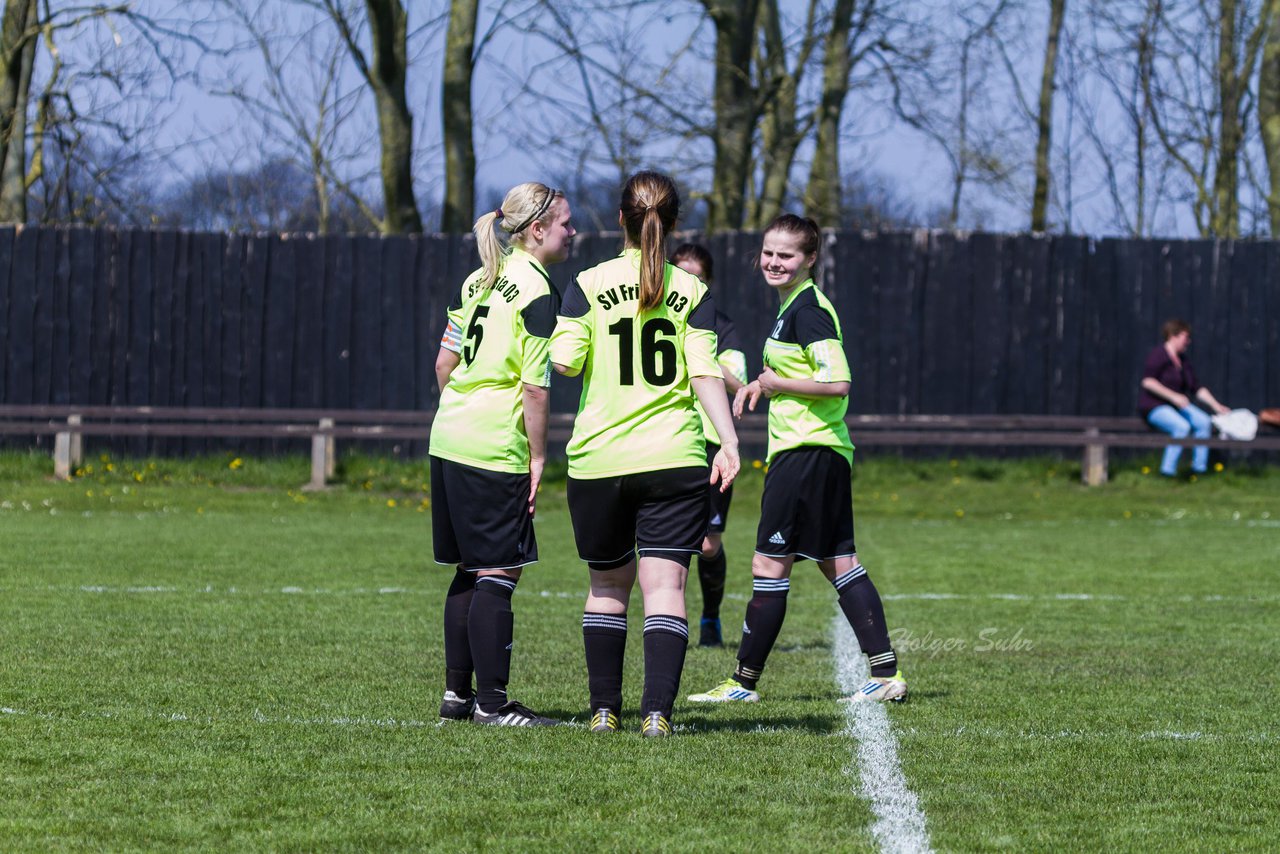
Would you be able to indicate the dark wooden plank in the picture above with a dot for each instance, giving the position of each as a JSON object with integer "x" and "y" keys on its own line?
{"x": 1097, "y": 346}
{"x": 897, "y": 313}
{"x": 253, "y": 296}
{"x": 1271, "y": 332}
{"x": 101, "y": 345}
{"x": 1067, "y": 321}
{"x": 1211, "y": 346}
{"x": 1234, "y": 372}
{"x": 6, "y": 297}
{"x": 22, "y": 317}
{"x": 233, "y": 361}
{"x": 308, "y": 368}
{"x": 81, "y": 319}
{"x": 1029, "y": 326}
{"x": 279, "y": 321}
{"x": 429, "y": 306}
{"x": 164, "y": 245}
{"x": 50, "y": 296}
{"x": 990, "y": 355}
{"x": 141, "y": 320}
{"x": 396, "y": 310}
{"x": 59, "y": 274}
{"x": 211, "y": 251}
{"x": 947, "y": 326}
{"x": 184, "y": 349}
{"x": 366, "y": 337}
{"x": 339, "y": 281}
{"x": 856, "y": 295}
{"x": 120, "y": 250}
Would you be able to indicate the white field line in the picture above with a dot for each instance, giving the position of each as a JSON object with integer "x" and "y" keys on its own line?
{"x": 291, "y": 590}
{"x": 899, "y": 824}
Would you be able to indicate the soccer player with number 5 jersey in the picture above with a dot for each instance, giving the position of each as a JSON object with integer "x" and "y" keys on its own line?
{"x": 488, "y": 445}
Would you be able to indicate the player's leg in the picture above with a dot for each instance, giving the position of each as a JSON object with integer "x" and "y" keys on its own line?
{"x": 712, "y": 563}
{"x": 604, "y": 530}
{"x": 860, "y": 602}
{"x": 671, "y": 520}
{"x": 459, "y": 697}
{"x": 495, "y": 535}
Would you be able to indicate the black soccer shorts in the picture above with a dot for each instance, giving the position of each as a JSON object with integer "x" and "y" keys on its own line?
{"x": 807, "y": 506}
{"x": 658, "y": 514}
{"x": 480, "y": 519}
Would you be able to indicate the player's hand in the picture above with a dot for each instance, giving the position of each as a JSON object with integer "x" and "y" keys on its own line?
{"x": 535, "y": 479}
{"x": 748, "y": 394}
{"x": 768, "y": 382}
{"x": 724, "y": 468}
{"x": 1180, "y": 401}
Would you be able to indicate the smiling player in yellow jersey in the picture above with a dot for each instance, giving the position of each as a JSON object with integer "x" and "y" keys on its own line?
{"x": 641, "y": 333}
{"x": 806, "y": 510}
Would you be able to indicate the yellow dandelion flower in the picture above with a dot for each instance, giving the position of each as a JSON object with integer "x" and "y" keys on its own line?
{"x": 755, "y": 464}
{"x": 1128, "y": 514}
{"x": 1146, "y": 469}
{"x": 959, "y": 513}
{"x": 1217, "y": 466}
{"x": 391, "y": 502}
{"x": 235, "y": 464}
{"x": 111, "y": 466}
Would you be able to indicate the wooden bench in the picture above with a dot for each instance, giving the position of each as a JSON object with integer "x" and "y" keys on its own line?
{"x": 323, "y": 427}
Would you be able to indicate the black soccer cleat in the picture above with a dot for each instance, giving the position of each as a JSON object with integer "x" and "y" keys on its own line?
{"x": 512, "y": 714}
{"x": 455, "y": 708}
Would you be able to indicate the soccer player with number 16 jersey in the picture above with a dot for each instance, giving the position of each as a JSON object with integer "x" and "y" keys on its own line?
{"x": 641, "y": 333}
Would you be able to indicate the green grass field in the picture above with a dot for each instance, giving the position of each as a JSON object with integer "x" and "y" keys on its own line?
{"x": 195, "y": 655}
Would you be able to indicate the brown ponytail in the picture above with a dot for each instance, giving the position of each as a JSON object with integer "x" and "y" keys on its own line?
{"x": 650, "y": 205}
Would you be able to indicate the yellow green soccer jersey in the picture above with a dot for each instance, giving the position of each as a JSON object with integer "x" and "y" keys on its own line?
{"x": 636, "y": 412}
{"x": 730, "y": 356}
{"x": 806, "y": 344}
{"x": 502, "y": 333}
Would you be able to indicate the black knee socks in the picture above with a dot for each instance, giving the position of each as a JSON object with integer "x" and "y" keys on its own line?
{"x": 711, "y": 573}
{"x": 457, "y": 645}
{"x": 861, "y": 605}
{"x": 765, "y": 612}
{"x": 491, "y": 627}
{"x": 605, "y": 638}
{"x": 666, "y": 638}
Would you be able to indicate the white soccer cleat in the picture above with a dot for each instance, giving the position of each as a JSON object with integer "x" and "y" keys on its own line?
{"x": 880, "y": 689}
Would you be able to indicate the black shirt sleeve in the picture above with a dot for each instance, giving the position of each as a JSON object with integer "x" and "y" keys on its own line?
{"x": 726, "y": 333}
{"x": 814, "y": 323}
{"x": 703, "y": 315}
{"x": 540, "y": 316}
{"x": 575, "y": 302}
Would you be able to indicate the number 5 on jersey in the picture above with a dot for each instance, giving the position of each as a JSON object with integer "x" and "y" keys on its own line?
{"x": 475, "y": 334}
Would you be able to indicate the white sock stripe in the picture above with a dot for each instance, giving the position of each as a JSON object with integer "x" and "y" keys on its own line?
{"x": 882, "y": 658}
{"x": 671, "y": 625}
{"x": 500, "y": 581}
{"x": 841, "y": 580}
{"x": 770, "y": 584}
{"x": 900, "y": 823}
{"x": 617, "y": 622}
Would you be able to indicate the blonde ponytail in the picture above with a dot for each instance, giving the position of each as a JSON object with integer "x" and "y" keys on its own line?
{"x": 523, "y": 205}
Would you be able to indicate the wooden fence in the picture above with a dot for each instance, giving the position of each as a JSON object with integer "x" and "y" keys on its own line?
{"x": 934, "y": 322}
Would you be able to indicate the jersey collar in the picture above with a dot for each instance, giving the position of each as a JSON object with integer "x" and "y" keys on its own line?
{"x": 523, "y": 255}
{"x": 801, "y": 288}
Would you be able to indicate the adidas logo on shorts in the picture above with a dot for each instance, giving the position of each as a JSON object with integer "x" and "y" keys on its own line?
{"x": 777, "y": 540}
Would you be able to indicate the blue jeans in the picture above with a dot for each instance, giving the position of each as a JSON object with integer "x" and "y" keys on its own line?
{"x": 1180, "y": 423}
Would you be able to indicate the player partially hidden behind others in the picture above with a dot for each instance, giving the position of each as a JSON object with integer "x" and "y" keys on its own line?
{"x": 806, "y": 510}
{"x": 488, "y": 445}
{"x": 712, "y": 562}
{"x": 642, "y": 334}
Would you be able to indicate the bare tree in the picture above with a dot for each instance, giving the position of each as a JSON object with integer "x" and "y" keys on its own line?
{"x": 736, "y": 110}
{"x": 455, "y": 106}
{"x": 1269, "y": 118}
{"x": 385, "y": 73}
{"x": 1044, "y": 116}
